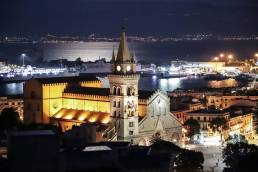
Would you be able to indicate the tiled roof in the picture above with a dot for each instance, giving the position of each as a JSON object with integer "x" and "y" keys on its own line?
{"x": 143, "y": 94}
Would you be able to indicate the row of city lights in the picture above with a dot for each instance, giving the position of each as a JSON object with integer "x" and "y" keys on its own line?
{"x": 229, "y": 56}
{"x": 222, "y": 55}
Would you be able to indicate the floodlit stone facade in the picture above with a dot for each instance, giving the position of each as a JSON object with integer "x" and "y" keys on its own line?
{"x": 125, "y": 112}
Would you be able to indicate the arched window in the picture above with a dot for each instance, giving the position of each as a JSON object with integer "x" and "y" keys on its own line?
{"x": 118, "y": 91}
{"x": 130, "y": 91}
{"x": 114, "y": 103}
{"x": 114, "y": 90}
{"x": 114, "y": 114}
{"x": 118, "y": 103}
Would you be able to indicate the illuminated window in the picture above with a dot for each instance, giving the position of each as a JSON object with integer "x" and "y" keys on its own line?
{"x": 118, "y": 68}
{"x": 128, "y": 68}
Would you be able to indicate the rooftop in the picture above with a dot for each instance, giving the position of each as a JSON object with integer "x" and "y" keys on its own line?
{"x": 143, "y": 94}
{"x": 87, "y": 90}
{"x": 70, "y": 79}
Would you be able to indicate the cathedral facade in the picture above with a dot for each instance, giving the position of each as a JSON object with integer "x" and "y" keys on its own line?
{"x": 121, "y": 112}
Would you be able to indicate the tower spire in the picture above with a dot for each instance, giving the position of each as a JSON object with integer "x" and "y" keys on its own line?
{"x": 113, "y": 56}
{"x": 123, "y": 54}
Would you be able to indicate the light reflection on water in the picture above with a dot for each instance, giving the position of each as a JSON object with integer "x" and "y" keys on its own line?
{"x": 145, "y": 83}
{"x": 153, "y": 83}
{"x": 11, "y": 88}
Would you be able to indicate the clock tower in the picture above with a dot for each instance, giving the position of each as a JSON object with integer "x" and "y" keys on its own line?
{"x": 124, "y": 92}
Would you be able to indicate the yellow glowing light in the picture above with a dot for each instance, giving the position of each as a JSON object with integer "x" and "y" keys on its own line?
{"x": 221, "y": 55}
{"x": 216, "y": 58}
{"x": 118, "y": 68}
{"x": 256, "y": 54}
{"x": 93, "y": 119}
{"x": 59, "y": 115}
{"x": 184, "y": 130}
{"x": 105, "y": 120}
{"x": 82, "y": 117}
{"x": 230, "y": 56}
{"x": 69, "y": 116}
{"x": 128, "y": 68}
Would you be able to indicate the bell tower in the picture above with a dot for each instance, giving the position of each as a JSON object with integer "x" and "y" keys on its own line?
{"x": 124, "y": 92}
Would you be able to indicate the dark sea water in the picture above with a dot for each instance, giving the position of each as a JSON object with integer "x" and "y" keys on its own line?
{"x": 159, "y": 53}
{"x": 155, "y": 52}
{"x": 146, "y": 83}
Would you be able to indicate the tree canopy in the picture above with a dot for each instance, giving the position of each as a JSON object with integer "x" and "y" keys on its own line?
{"x": 162, "y": 146}
{"x": 192, "y": 126}
{"x": 9, "y": 118}
{"x": 218, "y": 124}
{"x": 185, "y": 160}
{"x": 189, "y": 160}
{"x": 236, "y": 138}
{"x": 236, "y": 155}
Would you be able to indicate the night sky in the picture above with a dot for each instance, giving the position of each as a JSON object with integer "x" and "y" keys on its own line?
{"x": 142, "y": 17}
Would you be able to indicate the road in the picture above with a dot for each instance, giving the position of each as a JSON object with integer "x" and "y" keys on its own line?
{"x": 213, "y": 161}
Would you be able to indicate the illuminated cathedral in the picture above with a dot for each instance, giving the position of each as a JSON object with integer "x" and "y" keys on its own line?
{"x": 121, "y": 112}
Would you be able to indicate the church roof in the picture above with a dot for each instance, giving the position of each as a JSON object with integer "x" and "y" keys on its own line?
{"x": 87, "y": 90}
{"x": 123, "y": 54}
{"x": 70, "y": 79}
{"x": 82, "y": 115}
{"x": 143, "y": 94}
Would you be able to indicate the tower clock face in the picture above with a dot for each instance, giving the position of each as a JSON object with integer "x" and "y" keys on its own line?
{"x": 118, "y": 68}
{"x": 128, "y": 68}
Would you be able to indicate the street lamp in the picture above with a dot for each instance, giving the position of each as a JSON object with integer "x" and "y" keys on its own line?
{"x": 221, "y": 55}
{"x": 230, "y": 56}
{"x": 23, "y": 55}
